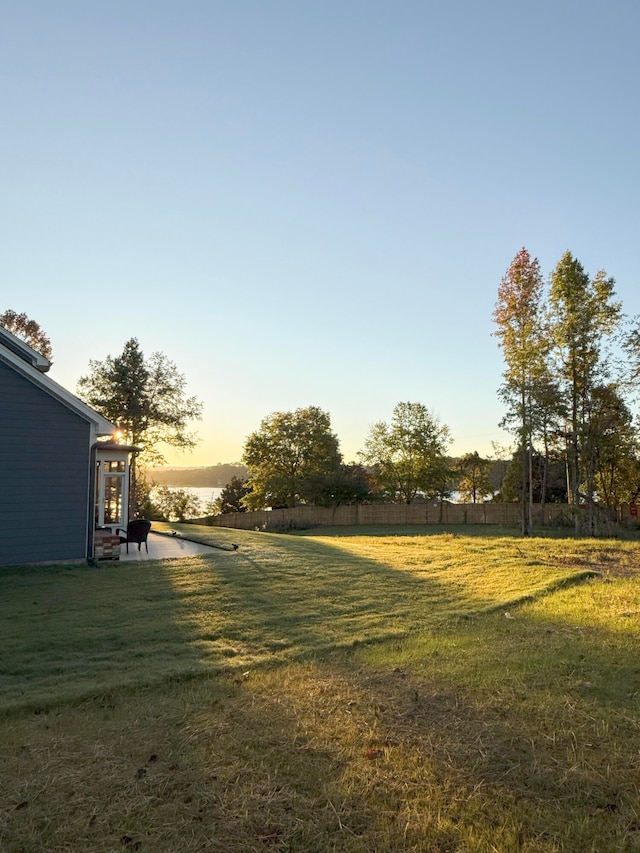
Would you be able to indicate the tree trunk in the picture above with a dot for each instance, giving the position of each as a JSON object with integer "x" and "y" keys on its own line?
{"x": 530, "y": 489}
{"x": 525, "y": 467}
{"x": 543, "y": 483}
{"x": 523, "y": 488}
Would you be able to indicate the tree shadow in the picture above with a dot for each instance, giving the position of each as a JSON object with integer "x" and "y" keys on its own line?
{"x": 334, "y": 754}
{"x": 284, "y": 598}
{"x": 67, "y": 632}
{"x": 337, "y": 753}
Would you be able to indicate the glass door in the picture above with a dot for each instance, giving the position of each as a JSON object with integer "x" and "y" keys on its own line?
{"x": 110, "y": 493}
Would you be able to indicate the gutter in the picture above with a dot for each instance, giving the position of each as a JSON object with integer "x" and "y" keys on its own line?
{"x": 91, "y": 503}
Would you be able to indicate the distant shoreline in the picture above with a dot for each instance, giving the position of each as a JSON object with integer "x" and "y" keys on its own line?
{"x": 212, "y": 477}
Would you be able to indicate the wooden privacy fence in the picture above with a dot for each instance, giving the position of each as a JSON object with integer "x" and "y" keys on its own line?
{"x": 304, "y": 517}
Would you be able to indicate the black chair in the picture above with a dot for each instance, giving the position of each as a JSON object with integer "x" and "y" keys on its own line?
{"x": 137, "y": 531}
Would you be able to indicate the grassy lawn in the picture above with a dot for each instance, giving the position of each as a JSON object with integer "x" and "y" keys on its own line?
{"x": 395, "y": 691}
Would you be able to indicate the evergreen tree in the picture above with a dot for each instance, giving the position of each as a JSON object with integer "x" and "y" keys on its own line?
{"x": 146, "y": 399}
{"x": 231, "y": 497}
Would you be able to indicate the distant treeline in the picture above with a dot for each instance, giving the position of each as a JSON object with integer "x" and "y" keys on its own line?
{"x": 213, "y": 475}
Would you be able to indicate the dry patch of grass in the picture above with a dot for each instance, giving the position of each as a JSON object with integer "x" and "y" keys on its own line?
{"x": 344, "y": 754}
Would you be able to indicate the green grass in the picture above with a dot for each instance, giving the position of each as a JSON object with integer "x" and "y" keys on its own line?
{"x": 69, "y": 632}
{"x": 326, "y": 691}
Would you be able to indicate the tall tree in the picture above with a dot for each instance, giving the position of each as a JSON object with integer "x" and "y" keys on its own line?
{"x": 145, "y": 398}
{"x": 27, "y": 330}
{"x": 584, "y": 317}
{"x": 519, "y": 317}
{"x": 547, "y": 415}
{"x": 548, "y": 473}
{"x": 632, "y": 348}
{"x": 408, "y": 453}
{"x": 288, "y": 455}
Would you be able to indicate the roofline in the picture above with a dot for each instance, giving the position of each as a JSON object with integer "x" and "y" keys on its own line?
{"x": 113, "y": 445}
{"x": 24, "y": 351}
{"x": 51, "y": 387}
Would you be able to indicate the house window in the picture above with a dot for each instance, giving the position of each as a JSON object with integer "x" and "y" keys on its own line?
{"x": 114, "y": 467}
{"x": 113, "y": 489}
{"x": 111, "y": 493}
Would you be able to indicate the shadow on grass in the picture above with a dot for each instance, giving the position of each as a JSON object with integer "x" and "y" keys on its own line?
{"x": 66, "y": 633}
{"x": 510, "y": 762}
{"x": 69, "y": 632}
{"x": 339, "y": 754}
{"x": 490, "y": 733}
{"x": 286, "y": 598}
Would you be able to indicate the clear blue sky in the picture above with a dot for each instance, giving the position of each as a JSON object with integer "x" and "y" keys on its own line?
{"x": 311, "y": 203}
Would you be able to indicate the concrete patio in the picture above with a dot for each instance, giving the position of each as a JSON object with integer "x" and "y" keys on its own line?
{"x": 163, "y": 548}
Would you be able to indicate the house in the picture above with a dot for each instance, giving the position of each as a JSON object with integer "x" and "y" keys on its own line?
{"x": 59, "y": 478}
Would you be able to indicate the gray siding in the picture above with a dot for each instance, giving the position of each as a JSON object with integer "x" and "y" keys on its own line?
{"x": 44, "y": 475}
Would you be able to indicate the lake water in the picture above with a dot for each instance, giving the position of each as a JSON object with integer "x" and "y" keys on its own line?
{"x": 205, "y": 494}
